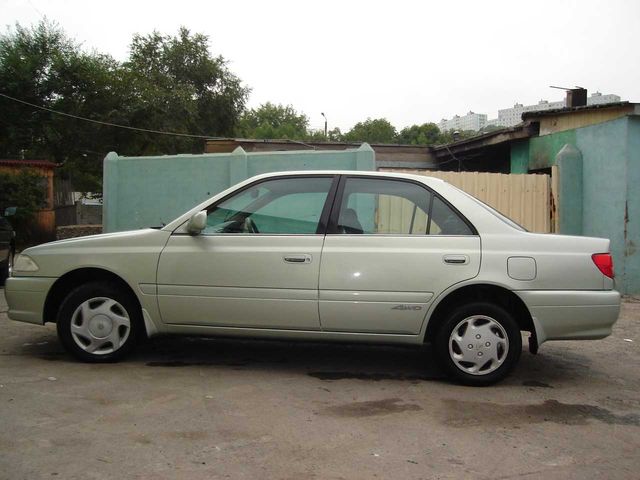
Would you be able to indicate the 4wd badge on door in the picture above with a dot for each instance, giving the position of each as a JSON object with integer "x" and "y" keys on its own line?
{"x": 407, "y": 307}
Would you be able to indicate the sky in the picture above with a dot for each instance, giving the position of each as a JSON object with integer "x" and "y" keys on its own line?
{"x": 408, "y": 61}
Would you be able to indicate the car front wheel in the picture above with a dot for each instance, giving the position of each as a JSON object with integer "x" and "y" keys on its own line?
{"x": 479, "y": 343}
{"x": 99, "y": 322}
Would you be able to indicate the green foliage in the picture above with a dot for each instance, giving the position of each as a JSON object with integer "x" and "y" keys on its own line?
{"x": 169, "y": 83}
{"x": 425, "y": 134}
{"x": 26, "y": 191}
{"x": 377, "y": 130}
{"x": 490, "y": 128}
{"x": 333, "y": 135}
{"x": 450, "y": 136}
{"x": 274, "y": 121}
{"x": 173, "y": 83}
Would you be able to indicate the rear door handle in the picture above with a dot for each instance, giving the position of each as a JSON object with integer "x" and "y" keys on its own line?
{"x": 298, "y": 258}
{"x": 456, "y": 259}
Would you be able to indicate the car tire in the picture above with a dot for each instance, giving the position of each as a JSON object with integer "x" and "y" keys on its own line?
{"x": 478, "y": 343}
{"x": 99, "y": 322}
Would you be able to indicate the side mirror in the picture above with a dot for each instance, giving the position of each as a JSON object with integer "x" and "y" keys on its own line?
{"x": 197, "y": 222}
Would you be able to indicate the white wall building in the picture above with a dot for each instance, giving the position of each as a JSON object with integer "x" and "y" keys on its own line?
{"x": 471, "y": 121}
{"x": 508, "y": 117}
{"x": 598, "y": 99}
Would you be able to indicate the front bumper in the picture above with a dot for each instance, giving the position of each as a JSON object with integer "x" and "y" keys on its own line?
{"x": 26, "y": 297}
{"x": 572, "y": 315}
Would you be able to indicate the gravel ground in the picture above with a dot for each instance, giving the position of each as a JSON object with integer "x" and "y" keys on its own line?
{"x": 216, "y": 408}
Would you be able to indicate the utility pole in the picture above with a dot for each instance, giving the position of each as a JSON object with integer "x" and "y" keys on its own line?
{"x": 325, "y": 124}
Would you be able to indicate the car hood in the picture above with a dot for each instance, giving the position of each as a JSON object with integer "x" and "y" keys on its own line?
{"x": 130, "y": 237}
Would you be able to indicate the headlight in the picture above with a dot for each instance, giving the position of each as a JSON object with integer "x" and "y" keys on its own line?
{"x": 23, "y": 263}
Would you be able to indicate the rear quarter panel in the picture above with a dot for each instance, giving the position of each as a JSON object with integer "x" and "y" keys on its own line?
{"x": 562, "y": 262}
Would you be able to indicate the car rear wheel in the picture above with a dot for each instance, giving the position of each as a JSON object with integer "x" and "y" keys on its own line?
{"x": 478, "y": 343}
{"x": 99, "y": 322}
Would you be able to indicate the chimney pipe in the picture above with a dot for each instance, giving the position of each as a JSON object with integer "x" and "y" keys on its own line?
{"x": 576, "y": 97}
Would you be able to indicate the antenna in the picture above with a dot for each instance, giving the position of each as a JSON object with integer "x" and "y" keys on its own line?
{"x": 565, "y": 88}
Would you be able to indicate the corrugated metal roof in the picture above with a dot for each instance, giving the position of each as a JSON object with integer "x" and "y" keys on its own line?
{"x": 29, "y": 163}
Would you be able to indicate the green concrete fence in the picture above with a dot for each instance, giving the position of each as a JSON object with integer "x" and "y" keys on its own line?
{"x": 149, "y": 191}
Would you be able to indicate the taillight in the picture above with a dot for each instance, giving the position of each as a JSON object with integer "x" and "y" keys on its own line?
{"x": 604, "y": 262}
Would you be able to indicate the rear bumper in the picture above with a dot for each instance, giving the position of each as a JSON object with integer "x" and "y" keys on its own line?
{"x": 26, "y": 297}
{"x": 572, "y": 315}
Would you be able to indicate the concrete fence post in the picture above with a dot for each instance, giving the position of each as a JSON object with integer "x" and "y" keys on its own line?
{"x": 238, "y": 166}
{"x": 570, "y": 190}
{"x": 110, "y": 192}
{"x": 365, "y": 157}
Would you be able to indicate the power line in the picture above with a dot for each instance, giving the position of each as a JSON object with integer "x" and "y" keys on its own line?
{"x": 108, "y": 124}
{"x": 146, "y": 130}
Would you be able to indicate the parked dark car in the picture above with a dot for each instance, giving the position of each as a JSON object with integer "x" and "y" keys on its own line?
{"x": 7, "y": 248}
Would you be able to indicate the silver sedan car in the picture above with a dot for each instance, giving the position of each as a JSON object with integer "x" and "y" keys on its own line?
{"x": 339, "y": 256}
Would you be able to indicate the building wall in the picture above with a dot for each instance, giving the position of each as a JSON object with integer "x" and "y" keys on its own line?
{"x": 543, "y": 150}
{"x": 470, "y": 121}
{"x": 579, "y": 119}
{"x": 632, "y": 217}
{"x": 509, "y": 117}
{"x": 610, "y": 185}
{"x": 604, "y": 156}
{"x": 147, "y": 191}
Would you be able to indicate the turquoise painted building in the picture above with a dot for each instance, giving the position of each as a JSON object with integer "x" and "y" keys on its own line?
{"x": 597, "y": 154}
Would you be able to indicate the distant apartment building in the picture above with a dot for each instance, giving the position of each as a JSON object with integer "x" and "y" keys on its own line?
{"x": 508, "y": 117}
{"x": 598, "y": 99}
{"x": 471, "y": 121}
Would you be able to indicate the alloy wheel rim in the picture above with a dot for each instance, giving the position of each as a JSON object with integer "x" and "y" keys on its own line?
{"x": 478, "y": 345}
{"x": 100, "y": 325}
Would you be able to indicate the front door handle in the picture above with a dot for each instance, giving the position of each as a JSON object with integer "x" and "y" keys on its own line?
{"x": 298, "y": 258}
{"x": 456, "y": 259}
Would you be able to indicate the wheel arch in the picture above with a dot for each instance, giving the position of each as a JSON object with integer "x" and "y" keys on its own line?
{"x": 72, "y": 279}
{"x": 485, "y": 292}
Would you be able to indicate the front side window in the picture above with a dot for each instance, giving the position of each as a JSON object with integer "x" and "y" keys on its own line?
{"x": 280, "y": 206}
{"x": 393, "y": 207}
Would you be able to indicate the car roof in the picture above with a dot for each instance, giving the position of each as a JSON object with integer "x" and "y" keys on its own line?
{"x": 421, "y": 178}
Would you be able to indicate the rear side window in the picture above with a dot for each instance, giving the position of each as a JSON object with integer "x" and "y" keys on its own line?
{"x": 444, "y": 221}
{"x": 393, "y": 207}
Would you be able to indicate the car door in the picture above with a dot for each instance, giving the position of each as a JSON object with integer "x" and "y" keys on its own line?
{"x": 392, "y": 246}
{"x": 256, "y": 264}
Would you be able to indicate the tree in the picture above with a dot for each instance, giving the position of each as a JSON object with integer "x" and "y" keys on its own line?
{"x": 377, "y": 130}
{"x": 274, "y": 121}
{"x": 43, "y": 66}
{"x": 333, "y": 135}
{"x": 450, "y": 136}
{"x": 169, "y": 83}
{"x": 175, "y": 84}
{"x": 25, "y": 190}
{"x": 490, "y": 128}
{"x": 425, "y": 134}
